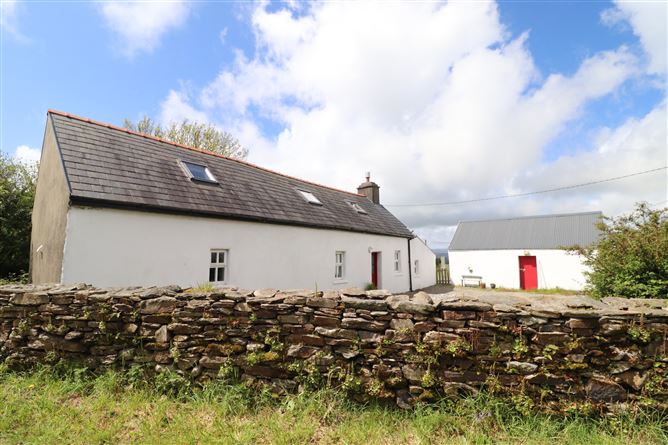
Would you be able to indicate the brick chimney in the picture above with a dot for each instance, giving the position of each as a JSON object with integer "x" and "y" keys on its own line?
{"x": 370, "y": 189}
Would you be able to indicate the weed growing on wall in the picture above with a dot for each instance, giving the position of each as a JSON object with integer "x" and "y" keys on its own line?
{"x": 639, "y": 334}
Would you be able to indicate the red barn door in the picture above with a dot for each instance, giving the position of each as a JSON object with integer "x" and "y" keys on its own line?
{"x": 528, "y": 272}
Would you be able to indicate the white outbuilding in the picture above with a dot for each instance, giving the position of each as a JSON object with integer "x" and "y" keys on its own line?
{"x": 522, "y": 253}
{"x": 117, "y": 208}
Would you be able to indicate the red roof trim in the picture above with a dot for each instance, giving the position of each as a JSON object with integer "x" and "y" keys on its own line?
{"x": 187, "y": 147}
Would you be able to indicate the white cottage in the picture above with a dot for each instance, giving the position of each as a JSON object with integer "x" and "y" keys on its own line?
{"x": 117, "y": 208}
{"x": 522, "y": 253}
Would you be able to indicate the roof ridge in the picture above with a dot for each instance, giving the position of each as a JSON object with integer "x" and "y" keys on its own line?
{"x": 553, "y": 215}
{"x": 188, "y": 147}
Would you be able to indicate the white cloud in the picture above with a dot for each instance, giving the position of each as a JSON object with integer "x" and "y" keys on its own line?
{"x": 175, "y": 108}
{"x": 636, "y": 145}
{"x": 27, "y": 154}
{"x": 9, "y": 18}
{"x": 438, "y": 101}
{"x": 648, "y": 20}
{"x": 140, "y": 25}
{"x": 8, "y": 14}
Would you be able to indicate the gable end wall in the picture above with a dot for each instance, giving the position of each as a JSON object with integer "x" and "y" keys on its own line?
{"x": 49, "y": 216}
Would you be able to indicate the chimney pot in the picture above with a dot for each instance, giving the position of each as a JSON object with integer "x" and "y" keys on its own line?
{"x": 370, "y": 189}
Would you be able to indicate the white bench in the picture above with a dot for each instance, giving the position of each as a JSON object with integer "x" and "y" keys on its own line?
{"x": 471, "y": 280}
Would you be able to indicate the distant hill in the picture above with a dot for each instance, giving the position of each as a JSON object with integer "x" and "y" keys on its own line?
{"x": 442, "y": 252}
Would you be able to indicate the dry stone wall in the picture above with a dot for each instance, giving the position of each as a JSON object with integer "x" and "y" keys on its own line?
{"x": 550, "y": 350}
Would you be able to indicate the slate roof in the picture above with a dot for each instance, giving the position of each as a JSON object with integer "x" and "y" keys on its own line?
{"x": 531, "y": 232}
{"x": 110, "y": 166}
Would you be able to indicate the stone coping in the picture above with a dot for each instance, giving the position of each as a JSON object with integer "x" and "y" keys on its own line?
{"x": 521, "y": 304}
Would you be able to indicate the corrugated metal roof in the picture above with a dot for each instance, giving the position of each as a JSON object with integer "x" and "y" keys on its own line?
{"x": 531, "y": 232}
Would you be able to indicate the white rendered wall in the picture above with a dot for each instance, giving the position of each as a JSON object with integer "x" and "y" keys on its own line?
{"x": 556, "y": 268}
{"x": 426, "y": 275}
{"x": 109, "y": 247}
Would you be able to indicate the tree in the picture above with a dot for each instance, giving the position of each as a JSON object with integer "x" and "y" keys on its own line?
{"x": 631, "y": 257}
{"x": 194, "y": 134}
{"x": 17, "y": 193}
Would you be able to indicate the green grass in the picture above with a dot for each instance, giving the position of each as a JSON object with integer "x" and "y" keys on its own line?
{"x": 43, "y": 407}
{"x": 202, "y": 287}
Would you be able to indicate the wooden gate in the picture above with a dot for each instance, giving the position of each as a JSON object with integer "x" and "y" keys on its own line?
{"x": 443, "y": 275}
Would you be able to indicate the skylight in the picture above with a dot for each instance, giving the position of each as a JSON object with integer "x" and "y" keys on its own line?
{"x": 310, "y": 197}
{"x": 199, "y": 172}
{"x": 358, "y": 208}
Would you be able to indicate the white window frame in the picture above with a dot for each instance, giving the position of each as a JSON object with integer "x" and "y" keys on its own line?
{"x": 340, "y": 265}
{"x": 309, "y": 197}
{"x": 416, "y": 267}
{"x": 356, "y": 207}
{"x": 397, "y": 261}
{"x": 215, "y": 266}
{"x": 184, "y": 165}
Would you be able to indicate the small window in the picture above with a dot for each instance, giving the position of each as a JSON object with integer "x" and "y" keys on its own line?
{"x": 339, "y": 265}
{"x": 310, "y": 197}
{"x": 416, "y": 267}
{"x": 397, "y": 260}
{"x": 356, "y": 207}
{"x": 218, "y": 266}
{"x": 199, "y": 172}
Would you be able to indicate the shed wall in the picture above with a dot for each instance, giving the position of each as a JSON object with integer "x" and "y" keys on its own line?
{"x": 556, "y": 268}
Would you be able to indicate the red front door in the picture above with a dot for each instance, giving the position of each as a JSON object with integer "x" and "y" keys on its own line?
{"x": 528, "y": 272}
{"x": 374, "y": 269}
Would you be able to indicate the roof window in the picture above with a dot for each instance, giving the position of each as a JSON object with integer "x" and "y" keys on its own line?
{"x": 358, "y": 208}
{"x": 198, "y": 172}
{"x": 309, "y": 197}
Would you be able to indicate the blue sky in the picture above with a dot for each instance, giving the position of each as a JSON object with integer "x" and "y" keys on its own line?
{"x": 258, "y": 70}
{"x": 564, "y": 33}
{"x": 70, "y": 60}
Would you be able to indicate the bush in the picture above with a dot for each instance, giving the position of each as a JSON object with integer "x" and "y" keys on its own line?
{"x": 17, "y": 192}
{"x": 631, "y": 257}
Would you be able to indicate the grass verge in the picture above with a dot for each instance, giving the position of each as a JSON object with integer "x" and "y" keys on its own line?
{"x": 45, "y": 406}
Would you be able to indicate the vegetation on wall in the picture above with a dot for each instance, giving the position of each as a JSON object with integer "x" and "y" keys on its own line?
{"x": 631, "y": 257}
{"x": 17, "y": 192}
{"x": 193, "y": 134}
